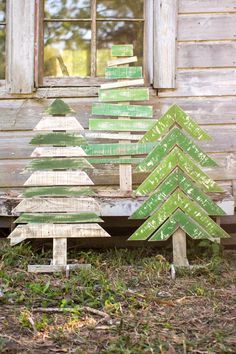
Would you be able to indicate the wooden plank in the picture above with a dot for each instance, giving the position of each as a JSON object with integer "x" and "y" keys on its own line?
{"x": 32, "y": 231}
{"x": 180, "y": 249}
{"x": 44, "y": 268}
{"x": 59, "y": 218}
{"x": 122, "y": 110}
{"x": 58, "y": 139}
{"x": 126, "y": 83}
{"x": 58, "y": 152}
{"x": 20, "y": 39}
{"x": 116, "y": 160}
{"x": 59, "y": 252}
{"x": 121, "y": 61}
{"x": 58, "y": 123}
{"x": 206, "y": 27}
{"x": 57, "y": 205}
{"x": 59, "y": 178}
{"x": 58, "y": 192}
{"x": 130, "y": 94}
{"x": 132, "y": 72}
{"x": 134, "y": 125}
{"x": 175, "y": 138}
{"x": 122, "y": 50}
{"x": 58, "y": 164}
{"x": 165, "y": 33}
{"x": 204, "y": 82}
{"x": 203, "y": 54}
{"x": 197, "y": 6}
{"x": 118, "y": 149}
{"x": 58, "y": 108}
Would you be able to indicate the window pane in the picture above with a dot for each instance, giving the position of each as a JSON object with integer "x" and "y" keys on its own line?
{"x": 67, "y": 49}
{"x": 109, "y": 33}
{"x": 2, "y": 10}
{"x": 120, "y": 8}
{"x": 2, "y": 52}
{"x": 67, "y": 9}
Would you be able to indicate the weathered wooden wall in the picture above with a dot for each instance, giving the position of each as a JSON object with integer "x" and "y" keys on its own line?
{"x": 205, "y": 88}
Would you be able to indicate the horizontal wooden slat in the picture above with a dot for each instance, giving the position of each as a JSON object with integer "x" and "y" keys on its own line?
{"x": 30, "y": 231}
{"x": 60, "y": 218}
{"x": 122, "y": 50}
{"x": 122, "y": 110}
{"x": 58, "y": 123}
{"x": 122, "y": 125}
{"x": 58, "y": 192}
{"x": 59, "y": 178}
{"x": 129, "y": 94}
{"x": 57, "y": 205}
{"x": 191, "y": 6}
{"x": 58, "y": 164}
{"x": 58, "y": 139}
{"x": 123, "y": 83}
{"x": 51, "y": 151}
{"x": 50, "y": 268}
{"x": 118, "y": 149}
{"x": 206, "y": 27}
{"x": 122, "y": 61}
{"x": 206, "y": 54}
{"x": 132, "y": 72}
{"x": 205, "y": 82}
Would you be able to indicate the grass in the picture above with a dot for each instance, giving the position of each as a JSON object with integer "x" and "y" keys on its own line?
{"x": 127, "y": 303}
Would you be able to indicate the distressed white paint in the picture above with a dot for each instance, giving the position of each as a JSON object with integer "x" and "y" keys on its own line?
{"x": 58, "y": 123}
{"x": 59, "y": 178}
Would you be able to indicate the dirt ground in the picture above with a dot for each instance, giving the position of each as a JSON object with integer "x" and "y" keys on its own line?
{"x": 127, "y": 303}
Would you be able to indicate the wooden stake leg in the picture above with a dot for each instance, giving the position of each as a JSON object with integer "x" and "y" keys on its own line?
{"x": 59, "y": 251}
{"x": 179, "y": 249}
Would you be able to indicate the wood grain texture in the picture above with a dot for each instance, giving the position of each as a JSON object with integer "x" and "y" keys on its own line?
{"x": 132, "y": 72}
{"x": 122, "y": 110}
{"x": 60, "y": 218}
{"x": 49, "y": 151}
{"x": 58, "y": 123}
{"x": 59, "y": 252}
{"x": 59, "y": 178}
{"x": 58, "y": 139}
{"x": 58, "y": 231}
{"x": 44, "y": 268}
{"x": 121, "y": 61}
{"x": 57, "y": 205}
{"x": 125, "y": 83}
{"x": 165, "y": 33}
{"x": 58, "y": 192}
{"x": 130, "y": 94}
{"x": 180, "y": 249}
{"x": 122, "y": 50}
{"x": 118, "y": 149}
{"x": 20, "y": 38}
{"x": 134, "y": 125}
{"x": 192, "y": 6}
{"x": 49, "y": 164}
{"x": 206, "y": 27}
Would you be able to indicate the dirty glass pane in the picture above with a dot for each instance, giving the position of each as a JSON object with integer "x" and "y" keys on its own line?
{"x": 67, "y": 9}
{"x": 2, "y": 52}
{"x": 2, "y": 10}
{"x": 112, "y": 32}
{"x": 67, "y": 49}
{"x": 120, "y": 8}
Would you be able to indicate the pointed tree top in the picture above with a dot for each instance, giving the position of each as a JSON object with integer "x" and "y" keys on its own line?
{"x": 175, "y": 115}
{"x": 58, "y": 108}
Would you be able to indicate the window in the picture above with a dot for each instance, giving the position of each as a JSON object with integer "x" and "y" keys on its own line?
{"x": 2, "y": 38}
{"x": 78, "y": 34}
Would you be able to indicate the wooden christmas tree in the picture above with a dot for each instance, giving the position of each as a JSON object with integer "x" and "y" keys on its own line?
{"x": 58, "y": 202}
{"x": 177, "y": 186}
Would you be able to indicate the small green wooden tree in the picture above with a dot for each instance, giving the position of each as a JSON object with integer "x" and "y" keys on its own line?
{"x": 177, "y": 186}
{"x": 58, "y": 202}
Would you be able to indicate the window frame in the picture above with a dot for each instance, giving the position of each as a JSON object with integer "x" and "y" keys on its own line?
{"x": 70, "y": 81}
{"x": 4, "y": 23}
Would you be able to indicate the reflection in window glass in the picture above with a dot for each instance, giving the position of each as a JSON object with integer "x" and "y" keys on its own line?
{"x": 2, "y": 52}
{"x": 67, "y": 49}
{"x": 109, "y": 33}
{"x": 67, "y": 9}
{"x": 2, "y": 10}
{"x": 120, "y": 9}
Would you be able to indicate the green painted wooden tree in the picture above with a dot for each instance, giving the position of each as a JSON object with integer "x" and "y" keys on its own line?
{"x": 176, "y": 185}
{"x": 58, "y": 201}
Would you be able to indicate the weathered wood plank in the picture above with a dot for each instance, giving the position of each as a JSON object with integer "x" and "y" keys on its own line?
{"x": 122, "y": 50}
{"x": 59, "y": 251}
{"x": 133, "y": 125}
{"x": 204, "y": 82}
{"x": 130, "y": 94}
{"x": 116, "y": 160}
{"x": 122, "y": 61}
{"x": 126, "y": 83}
{"x": 122, "y": 110}
{"x": 197, "y": 6}
{"x": 165, "y": 33}
{"x": 31, "y": 231}
{"x": 118, "y": 149}
{"x": 57, "y": 205}
{"x": 58, "y": 192}
{"x": 58, "y": 152}
{"x": 132, "y": 72}
{"x": 58, "y": 139}
{"x": 58, "y": 123}
{"x": 59, "y": 178}
{"x": 53, "y": 218}
{"x": 58, "y": 108}
{"x": 206, "y": 27}
{"x": 179, "y": 242}
{"x": 44, "y": 268}
{"x": 203, "y": 54}
{"x": 58, "y": 164}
